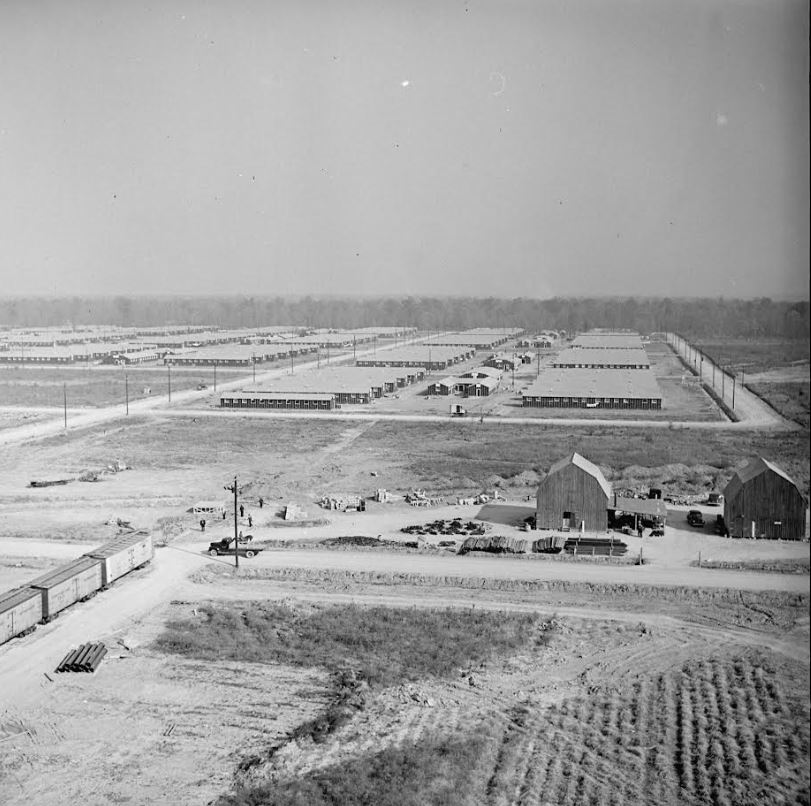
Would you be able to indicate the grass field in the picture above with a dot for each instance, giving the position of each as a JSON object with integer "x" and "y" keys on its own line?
{"x": 442, "y": 457}
{"x": 755, "y": 356}
{"x": 96, "y": 386}
{"x": 383, "y": 646}
{"x": 791, "y": 399}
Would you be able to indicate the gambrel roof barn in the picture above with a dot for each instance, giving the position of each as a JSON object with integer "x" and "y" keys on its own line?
{"x": 574, "y": 495}
{"x": 762, "y": 501}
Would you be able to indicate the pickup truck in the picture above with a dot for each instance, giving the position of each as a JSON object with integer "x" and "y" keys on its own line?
{"x": 695, "y": 518}
{"x": 225, "y": 546}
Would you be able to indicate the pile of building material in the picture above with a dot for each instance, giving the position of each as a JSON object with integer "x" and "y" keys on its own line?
{"x": 418, "y": 498}
{"x": 497, "y": 544}
{"x": 596, "y": 547}
{"x": 344, "y": 503}
{"x": 500, "y": 544}
{"x": 454, "y": 527}
{"x": 84, "y": 659}
{"x": 553, "y": 544}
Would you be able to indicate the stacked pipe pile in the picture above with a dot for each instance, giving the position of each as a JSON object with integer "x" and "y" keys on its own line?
{"x": 596, "y": 546}
{"x": 84, "y": 659}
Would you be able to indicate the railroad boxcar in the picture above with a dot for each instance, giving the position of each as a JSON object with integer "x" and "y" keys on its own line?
{"x": 20, "y": 610}
{"x": 68, "y": 584}
{"x": 122, "y": 555}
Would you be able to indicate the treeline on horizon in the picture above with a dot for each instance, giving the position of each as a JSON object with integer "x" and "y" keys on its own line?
{"x": 702, "y": 317}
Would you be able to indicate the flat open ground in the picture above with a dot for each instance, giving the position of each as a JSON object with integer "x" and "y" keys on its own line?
{"x": 94, "y": 386}
{"x": 660, "y": 682}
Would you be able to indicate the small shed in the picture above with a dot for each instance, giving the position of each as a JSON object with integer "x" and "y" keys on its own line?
{"x": 762, "y": 501}
{"x": 574, "y": 496}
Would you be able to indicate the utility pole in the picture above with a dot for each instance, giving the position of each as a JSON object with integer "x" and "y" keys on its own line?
{"x": 291, "y": 363}
{"x": 65, "y": 402}
{"x": 127, "y": 393}
{"x": 253, "y": 357}
{"x": 215, "y": 376}
{"x": 169, "y": 380}
{"x": 234, "y": 488}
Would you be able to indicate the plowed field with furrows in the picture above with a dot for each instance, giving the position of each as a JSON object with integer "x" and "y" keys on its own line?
{"x": 714, "y": 732}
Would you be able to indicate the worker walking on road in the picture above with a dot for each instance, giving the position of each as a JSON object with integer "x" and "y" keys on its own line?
{"x": 202, "y": 524}
{"x": 250, "y": 521}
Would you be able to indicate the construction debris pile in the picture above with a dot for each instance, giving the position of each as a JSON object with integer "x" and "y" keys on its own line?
{"x": 84, "y": 659}
{"x": 454, "y": 527}
{"x": 344, "y": 503}
{"x": 418, "y": 498}
{"x": 85, "y": 475}
{"x": 549, "y": 544}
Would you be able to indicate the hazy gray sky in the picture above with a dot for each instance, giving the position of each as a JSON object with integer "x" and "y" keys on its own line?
{"x": 509, "y": 148}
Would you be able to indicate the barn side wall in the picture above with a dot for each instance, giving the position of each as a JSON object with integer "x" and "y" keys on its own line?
{"x": 766, "y": 499}
{"x": 571, "y": 489}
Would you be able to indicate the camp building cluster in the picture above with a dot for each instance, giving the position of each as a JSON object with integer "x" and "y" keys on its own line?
{"x": 378, "y": 373}
{"x": 601, "y": 368}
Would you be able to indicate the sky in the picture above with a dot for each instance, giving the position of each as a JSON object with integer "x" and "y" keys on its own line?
{"x": 482, "y": 147}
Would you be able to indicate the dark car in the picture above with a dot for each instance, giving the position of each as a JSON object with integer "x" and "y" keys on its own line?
{"x": 695, "y": 518}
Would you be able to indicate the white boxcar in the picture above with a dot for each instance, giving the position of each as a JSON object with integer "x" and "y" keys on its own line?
{"x": 19, "y": 610}
{"x": 120, "y": 556}
{"x": 68, "y": 584}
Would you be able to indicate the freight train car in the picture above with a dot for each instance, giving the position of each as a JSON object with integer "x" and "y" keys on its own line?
{"x": 20, "y": 610}
{"x": 122, "y": 555}
{"x": 66, "y": 585}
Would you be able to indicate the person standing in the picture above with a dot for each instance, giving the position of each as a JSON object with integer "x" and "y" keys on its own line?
{"x": 250, "y": 520}
{"x": 241, "y": 511}
{"x": 202, "y": 524}
{"x": 261, "y": 502}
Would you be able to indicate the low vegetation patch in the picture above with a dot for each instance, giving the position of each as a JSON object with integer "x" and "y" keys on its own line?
{"x": 791, "y": 400}
{"x": 382, "y": 645}
{"x": 437, "y": 771}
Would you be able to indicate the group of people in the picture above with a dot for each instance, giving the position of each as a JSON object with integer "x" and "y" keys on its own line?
{"x": 241, "y": 515}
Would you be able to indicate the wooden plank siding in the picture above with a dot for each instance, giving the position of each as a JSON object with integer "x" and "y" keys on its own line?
{"x": 572, "y": 489}
{"x": 773, "y": 503}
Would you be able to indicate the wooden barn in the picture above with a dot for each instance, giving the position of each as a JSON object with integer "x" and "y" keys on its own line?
{"x": 761, "y": 501}
{"x": 574, "y": 496}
